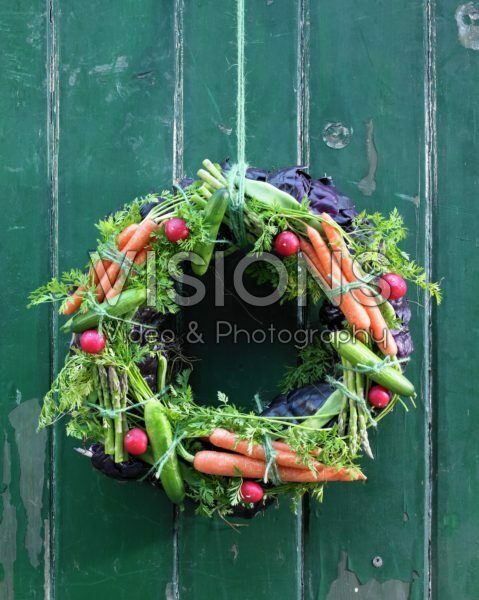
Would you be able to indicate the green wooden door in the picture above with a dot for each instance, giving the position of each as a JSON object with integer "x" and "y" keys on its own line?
{"x": 105, "y": 101}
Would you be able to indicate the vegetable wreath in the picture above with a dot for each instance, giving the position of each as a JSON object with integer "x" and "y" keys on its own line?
{"x": 128, "y": 392}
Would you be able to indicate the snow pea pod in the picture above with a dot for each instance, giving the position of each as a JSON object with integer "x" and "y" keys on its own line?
{"x": 214, "y": 214}
{"x": 127, "y": 302}
{"x": 160, "y": 435}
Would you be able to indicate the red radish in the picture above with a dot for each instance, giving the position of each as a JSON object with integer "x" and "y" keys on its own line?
{"x": 251, "y": 491}
{"x": 92, "y": 341}
{"x": 392, "y": 286}
{"x": 176, "y": 229}
{"x": 286, "y": 243}
{"x": 135, "y": 441}
{"x": 379, "y": 396}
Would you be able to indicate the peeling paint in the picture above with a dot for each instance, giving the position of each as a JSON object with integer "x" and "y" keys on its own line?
{"x": 234, "y": 551}
{"x": 32, "y": 448}
{"x": 8, "y": 527}
{"x": 467, "y": 19}
{"x": 347, "y": 585}
{"x": 414, "y": 199}
{"x": 73, "y": 77}
{"x": 169, "y": 591}
{"x": 119, "y": 65}
{"x": 367, "y": 185}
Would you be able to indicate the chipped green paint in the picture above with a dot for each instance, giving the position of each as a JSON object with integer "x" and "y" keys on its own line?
{"x": 103, "y": 104}
{"x": 347, "y": 585}
{"x": 32, "y": 456}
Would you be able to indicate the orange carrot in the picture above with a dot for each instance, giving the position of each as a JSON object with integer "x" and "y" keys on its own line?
{"x": 98, "y": 271}
{"x": 136, "y": 243}
{"x": 227, "y": 464}
{"x": 308, "y": 251}
{"x": 125, "y": 235}
{"x": 229, "y": 441}
{"x": 379, "y": 330}
{"x": 140, "y": 258}
{"x": 352, "y": 310}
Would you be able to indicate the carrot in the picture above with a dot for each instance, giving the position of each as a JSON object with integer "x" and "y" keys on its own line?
{"x": 125, "y": 235}
{"x": 308, "y": 251}
{"x": 229, "y": 441}
{"x": 140, "y": 258}
{"x": 352, "y": 310}
{"x": 98, "y": 271}
{"x": 379, "y": 330}
{"x": 136, "y": 243}
{"x": 227, "y": 464}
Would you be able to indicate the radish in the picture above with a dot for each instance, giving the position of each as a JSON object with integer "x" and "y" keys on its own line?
{"x": 92, "y": 341}
{"x": 176, "y": 230}
{"x": 250, "y": 491}
{"x": 379, "y": 396}
{"x": 286, "y": 243}
{"x": 135, "y": 441}
{"x": 392, "y": 286}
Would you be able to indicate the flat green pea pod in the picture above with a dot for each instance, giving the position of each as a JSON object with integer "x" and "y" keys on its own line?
{"x": 127, "y": 302}
{"x": 330, "y": 409}
{"x": 357, "y": 353}
{"x": 268, "y": 194}
{"x": 160, "y": 435}
{"x": 214, "y": 214}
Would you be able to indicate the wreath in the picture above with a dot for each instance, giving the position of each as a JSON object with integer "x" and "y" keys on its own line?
{"x": 125, "y": 385}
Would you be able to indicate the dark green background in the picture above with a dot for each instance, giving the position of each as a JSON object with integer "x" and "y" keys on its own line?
{"x": 103, "y": 101}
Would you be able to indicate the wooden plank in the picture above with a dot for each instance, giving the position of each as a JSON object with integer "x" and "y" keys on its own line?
{"x": 367, "y": 104}
{"x": 262, "y": 560}
{"x": 116, "y": 80}
{"x": 456, "y": 547}
{"x": 24, "y": 351}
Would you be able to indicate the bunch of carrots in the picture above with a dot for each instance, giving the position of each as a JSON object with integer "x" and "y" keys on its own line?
{"x": 333, "y": 266}
{"x": 249, "y": 461}
{"x": 106, "y": 275}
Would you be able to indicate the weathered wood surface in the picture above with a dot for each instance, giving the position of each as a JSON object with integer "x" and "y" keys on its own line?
{"x": 105, "y": 103}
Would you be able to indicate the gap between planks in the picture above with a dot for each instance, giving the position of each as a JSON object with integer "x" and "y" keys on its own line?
{"x": 178, "y": 174}
{"x": 430, "y": 195}
{"x": 53, "y": 136}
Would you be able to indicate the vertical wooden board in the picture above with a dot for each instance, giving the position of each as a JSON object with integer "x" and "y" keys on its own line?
{"x": 367, "y": 102}
{"x": 24, "y": 350}
{"x": 456, "y": 548}
{"x": 262, "y": 560}
{"x": 116, "y": 98}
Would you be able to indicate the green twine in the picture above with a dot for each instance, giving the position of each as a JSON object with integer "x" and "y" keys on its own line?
{"x": 377, "y": 368}
{"x": 352, "y": 396}
{"x": 111, "y": 413}
{"x": 157, "y": 468}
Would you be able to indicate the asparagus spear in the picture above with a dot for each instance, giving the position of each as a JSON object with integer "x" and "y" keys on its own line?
{"x": 350, "y": 381}
{"x": 106, "y": 403}
{"x": 343, "y": 415}
{"x": 116, "y": 397}
{"x": 124, "y": 393}
{"x": 362, "y": 417}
